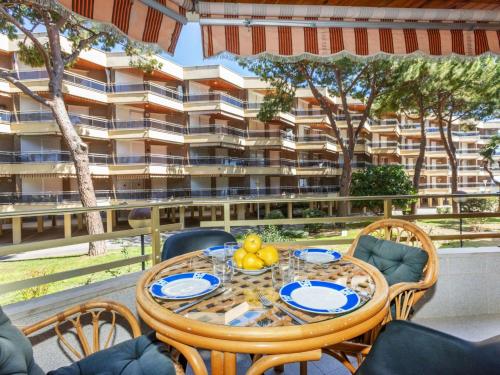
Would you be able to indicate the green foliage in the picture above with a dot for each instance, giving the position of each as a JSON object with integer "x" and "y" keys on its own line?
{"x": 489, "y": 150}
{"x": 37, "y": 290}
{"x": 310, "y": 213}
{"x": 272, "y": 233}
{"x": 478, "y": 205}
{"x": 275, "y": 214}
{"x": 382, "y": 180}
{"x": 82, "y": 34}
{"x": 443, "y": 209}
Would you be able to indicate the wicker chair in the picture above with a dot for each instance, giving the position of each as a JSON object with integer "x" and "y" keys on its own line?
{"x": 97, "y": 312}
{"x": 403, "y": 296}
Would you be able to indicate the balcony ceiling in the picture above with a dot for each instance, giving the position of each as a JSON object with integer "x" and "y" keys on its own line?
{"x": 433, "y": 4}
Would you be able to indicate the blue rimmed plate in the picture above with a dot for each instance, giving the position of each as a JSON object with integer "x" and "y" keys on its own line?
{"x": 318, "y": 256}
{"x": 184, "y": 285}
{"x": 214, "y": 250}
{"x": 319, "y": 297}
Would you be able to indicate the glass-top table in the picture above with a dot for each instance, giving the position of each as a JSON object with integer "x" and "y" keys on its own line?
{"x": 211, "y": 325}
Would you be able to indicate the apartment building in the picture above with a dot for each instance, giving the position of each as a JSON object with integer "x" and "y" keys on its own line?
{"x": 193, "y": 132}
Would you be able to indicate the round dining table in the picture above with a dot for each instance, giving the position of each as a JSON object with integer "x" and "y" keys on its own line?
{"x": 270, "y": 335}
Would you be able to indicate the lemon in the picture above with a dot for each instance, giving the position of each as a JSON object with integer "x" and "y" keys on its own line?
{"x": 252, "y": 243}
{"x": 252, "y": 262}
{"x": 269, "y": 254}
{"x": 238, "y": 257}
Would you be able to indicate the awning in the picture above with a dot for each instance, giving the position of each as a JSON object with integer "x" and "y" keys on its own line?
{"x": 150, "y": 21}
{"x": 286, "y": 30}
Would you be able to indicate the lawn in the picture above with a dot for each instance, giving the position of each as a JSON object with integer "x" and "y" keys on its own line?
{"x": 25, "y": 269}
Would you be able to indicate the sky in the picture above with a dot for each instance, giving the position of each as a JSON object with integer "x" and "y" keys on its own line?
{"x": 189, "y": 52}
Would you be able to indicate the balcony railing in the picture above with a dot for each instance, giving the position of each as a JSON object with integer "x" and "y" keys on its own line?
{"x": 225, "y": 221}
{"x": 318, "y": 164}
{"x": 239, "y": 162}
{"x": 148, "y": 159}
{"x": 289, "y": 136}
{"x": 389, "y": 144}
{"x": 146, "y": 86}
{"x": 148, "y": 123}
{"x": 46, "y": 156}
{"x": 68, "y": 77}
{"x": 215, "y": 97}
{"x": 5, "y": 116}
{"x": 308, "y": 112}
{"x": 317, "y": 138}
{"x": 216, "y": 129}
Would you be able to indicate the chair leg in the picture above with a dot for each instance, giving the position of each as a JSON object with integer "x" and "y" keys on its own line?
{"x": 303, "y": 368}
{"x": 279, "y": 369}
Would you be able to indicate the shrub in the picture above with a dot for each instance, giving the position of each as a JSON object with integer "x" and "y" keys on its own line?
{"x": 382, "y": 180}
{"x": 313, "y": 212}
{"x": 272, "y": 233}
{"x": 275, "y": 214}
{"x": 478, "y": 205}
{"x": 443, "y": 209}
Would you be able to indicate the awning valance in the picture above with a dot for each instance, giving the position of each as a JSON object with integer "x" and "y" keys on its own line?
{"x": 150, "y": 21}
{"x": 296, "y": 30}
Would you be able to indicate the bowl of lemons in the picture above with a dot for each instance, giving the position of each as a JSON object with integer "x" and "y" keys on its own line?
{"x": 254, "y": 257}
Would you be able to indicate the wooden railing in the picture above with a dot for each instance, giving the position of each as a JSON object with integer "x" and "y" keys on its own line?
{"x": 179, "y": 207}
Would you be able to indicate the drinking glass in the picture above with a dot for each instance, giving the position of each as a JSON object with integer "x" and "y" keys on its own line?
{"x": 221, "y": 263}
{"x": 282, "y": 273}
{"x": 301, "y": 268}
{"x": 230, "y": 248}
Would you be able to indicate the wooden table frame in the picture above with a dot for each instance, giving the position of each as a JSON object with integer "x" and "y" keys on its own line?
{"x": 273, "y": 345}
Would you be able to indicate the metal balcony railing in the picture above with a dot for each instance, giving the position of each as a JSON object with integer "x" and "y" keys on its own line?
{"x": 231, "y": 161}
{"x": 68, "y": 77}
{"x": 389, "y": 144}
{"x": 216, "y": 129}
{"x": 289, "y": 136}
{"x": 157, "y": 159}
{"x": 146, "y": 86}
{"x": 318, "y": 164}
{"x": 148, "y": 123}
{"x": 317, "y": 138}
{"x": 46, "y": 156}
{"x": 215, "y": 97}
{"x": 308, "y": 112}
{"x": 5, "y": 116}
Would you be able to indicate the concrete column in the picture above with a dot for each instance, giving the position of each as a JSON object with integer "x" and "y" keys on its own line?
{"x": 227, "y": 217}
{"x": 1, "y": 229}
{"x": 67, "y": 225}
{"x": 213, "y": 213}
{"x": 311, "y": 204}
{"x": 182, "y": 212}
{"x": 114, "y": 218}
{"x": 54, "y": 220}
{"x": 290, "y": 210}
{"x": 109, "y": 221}
{"x": 440, "y": 201}
{"x": 17, "y": 227}
{"x": 39, "y": 224}
{"x": 240, "y": 211}
{"x": 268, "y": 208}
{"x": 79, "y": 221}
{"x": 330, "y": 208}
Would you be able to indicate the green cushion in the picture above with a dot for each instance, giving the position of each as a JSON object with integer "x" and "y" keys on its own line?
{"x": 397, "y": 262}
{"x": 16, "y": 353}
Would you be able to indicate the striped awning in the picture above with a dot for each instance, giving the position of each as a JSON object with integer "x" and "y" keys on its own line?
{"x": 286, "y": 30}
{"x": 151, "y": 21}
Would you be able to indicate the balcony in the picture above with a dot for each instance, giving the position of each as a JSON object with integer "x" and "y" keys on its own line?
{"x": 73, "y": 84}
{"x": 147, "y": 128}
{"x": 320, "y": 167}
{"x": 384, "y": 126}
{"x": 146, "y": 91}
{"x": 445, "y": 306}
{"x": 207, "y": 165}
{"x": 215, "y": 102}
{"x": 317, "y": 142}
{"x": 270, "y": 139}
{"x": 252, "y": 108}
{"x": 389, "y": 147}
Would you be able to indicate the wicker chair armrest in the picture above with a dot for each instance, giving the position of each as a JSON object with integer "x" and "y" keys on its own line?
{"x": 116, "y": 307}
{"x": 397, "y": 289}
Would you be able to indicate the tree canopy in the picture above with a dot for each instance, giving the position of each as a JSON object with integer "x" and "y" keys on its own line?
{"x": 382, "y": 180}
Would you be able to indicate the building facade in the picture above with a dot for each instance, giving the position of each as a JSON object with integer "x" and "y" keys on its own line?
{"x": 193, "y": 132}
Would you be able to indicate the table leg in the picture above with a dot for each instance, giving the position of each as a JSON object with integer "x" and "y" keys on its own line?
{"x": 229, "y": 363}
{"x": 217, "y": 362}
{"x": 303, "y": 368}
{"x": 267, "y": 362}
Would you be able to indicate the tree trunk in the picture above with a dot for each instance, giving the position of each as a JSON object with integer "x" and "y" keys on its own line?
{"x": 420, "y": 161}
{"x": 80, "y": 156}
{"x": 345, "y": 186}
